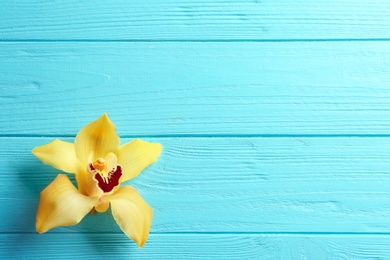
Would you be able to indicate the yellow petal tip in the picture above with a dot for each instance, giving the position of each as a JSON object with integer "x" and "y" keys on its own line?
{"x": 40, "y": 230}
{"x": 106, "y": 118}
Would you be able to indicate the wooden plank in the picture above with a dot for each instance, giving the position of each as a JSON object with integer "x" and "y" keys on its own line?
{"x": 176, "y": 89}
{"x": 194, "y": 20}
{"x": 230, "y": 185}
{"x": 195, "y": 246}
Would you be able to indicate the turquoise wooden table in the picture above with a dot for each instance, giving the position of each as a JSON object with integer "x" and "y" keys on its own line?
{"x": 274, "y": 117}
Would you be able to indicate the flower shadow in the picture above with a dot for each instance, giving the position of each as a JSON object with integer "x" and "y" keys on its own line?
{"x": 105, "y": 237}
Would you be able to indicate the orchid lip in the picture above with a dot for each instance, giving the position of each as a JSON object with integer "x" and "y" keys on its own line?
{"x": 105, "y": 179}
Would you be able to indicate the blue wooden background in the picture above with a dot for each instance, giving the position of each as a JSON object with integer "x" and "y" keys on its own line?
{"x": 274, "y": 116}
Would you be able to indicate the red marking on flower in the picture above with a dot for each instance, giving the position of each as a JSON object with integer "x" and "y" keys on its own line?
{"x": 108, "y": 182}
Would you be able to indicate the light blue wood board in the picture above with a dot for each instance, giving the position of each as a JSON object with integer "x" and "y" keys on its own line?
{"x": 196, "y": 246}
{"x": 322, "y": 185}
{"x": 198, "y": 20}
{"x": 176, "y": 89}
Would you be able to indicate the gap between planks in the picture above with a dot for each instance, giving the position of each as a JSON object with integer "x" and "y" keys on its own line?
{"x": 189, "y": 40}
{"x": 212, "y": 136}
{"x": 287, "y": 234}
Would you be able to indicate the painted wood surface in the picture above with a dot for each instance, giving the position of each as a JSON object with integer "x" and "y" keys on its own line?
{"x": 198, "y": 246}
{"x": 195, "y": 20}
{"x": 204, "y": 89}
{"x": 234, "y": 185}
{"x": 274, "y": 117}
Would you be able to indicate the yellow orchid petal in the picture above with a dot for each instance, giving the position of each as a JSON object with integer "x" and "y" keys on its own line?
{"x": 131, "y": 213}
{"x": 111, "y": 161}
{"x": 136, "y": 156}
{"x": 59, "y": 154}
{"x": 62, "y": 155}
{"x": 61, "y": 204}
{"x": 102, "y": 204}
{"x": 81, "y": 179}
{"x": 96, "y": 139}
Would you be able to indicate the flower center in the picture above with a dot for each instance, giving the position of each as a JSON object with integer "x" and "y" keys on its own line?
{"x": 100, "y": 164}
{"x": 106, "y": 177}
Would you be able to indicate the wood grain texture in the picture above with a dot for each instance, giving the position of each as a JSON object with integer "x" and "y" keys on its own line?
{"x": 274, "y": 116}
{"x": 230, "y": 185}
{"x": 181, "y": 89}
{"x": 199, "y": 246}
{"x": 194, "y": 20}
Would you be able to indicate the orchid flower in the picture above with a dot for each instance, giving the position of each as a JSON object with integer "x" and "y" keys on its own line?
{"x": 100, "y": 165}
